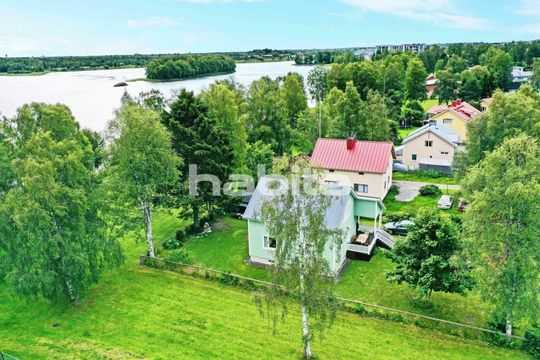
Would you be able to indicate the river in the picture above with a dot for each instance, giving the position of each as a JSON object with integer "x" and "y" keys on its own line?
{"x": 93, "y": 99}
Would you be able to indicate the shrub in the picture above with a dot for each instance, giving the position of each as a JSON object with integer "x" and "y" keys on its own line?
{"x": 177, "y": 241}
{"x": 229, "y": 279}
{"x": 394, "y": 189}
{"x": 180, "y": 256}
{"x": 531, "y": 344}
{"x": 430, "y": 174}
{"x": 397, "y": 216}
{"x": 428, "y": 190}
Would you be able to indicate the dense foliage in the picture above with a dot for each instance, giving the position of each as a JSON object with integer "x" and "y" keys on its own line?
{"x": 502, "y": 228}
{"x": 53, "y": 213}
{"x": 179, "y": 67}
{"x": 429, "y": 258}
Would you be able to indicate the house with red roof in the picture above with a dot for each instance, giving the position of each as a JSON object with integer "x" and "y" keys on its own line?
{"x": 455, "y": 116}
{"x": 361, "y": 171}
{"x": 366, "y": 166}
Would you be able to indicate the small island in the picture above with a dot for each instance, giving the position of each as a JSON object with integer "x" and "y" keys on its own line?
{"x": 181, "y": 67}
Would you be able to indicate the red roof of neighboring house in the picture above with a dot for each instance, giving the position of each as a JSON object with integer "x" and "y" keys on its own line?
{"x": 352, "y": 155}
{"x": 462, "y": 108}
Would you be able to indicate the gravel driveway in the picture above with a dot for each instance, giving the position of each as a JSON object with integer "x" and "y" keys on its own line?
{"x": 408, "y": 190}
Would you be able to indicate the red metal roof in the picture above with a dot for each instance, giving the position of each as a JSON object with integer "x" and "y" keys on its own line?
{"x": 462, "y": 108}
{"x": 366, "y": 156}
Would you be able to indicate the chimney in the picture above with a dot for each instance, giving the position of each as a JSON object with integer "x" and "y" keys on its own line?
{"x": 458, "y": 102}
{"x": 350, "y": 143}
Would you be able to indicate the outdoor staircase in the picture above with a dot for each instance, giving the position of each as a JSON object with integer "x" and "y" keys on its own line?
{"x": 379, "y": 236}
{"x": 385, "y": 238}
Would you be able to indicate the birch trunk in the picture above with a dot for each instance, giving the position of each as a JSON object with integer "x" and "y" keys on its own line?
{"x": 72, "y": 295}
{"x": 305, "y": 315}
{"x": 147, "y": 213}
{"x": 305, "y": 322}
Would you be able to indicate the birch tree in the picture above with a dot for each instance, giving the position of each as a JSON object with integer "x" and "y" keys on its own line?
{"x": 52, "y": 216}
{"x": 297, "y": 221}
{"x": 502, "y": 228}
{"x": 143, "y": 164}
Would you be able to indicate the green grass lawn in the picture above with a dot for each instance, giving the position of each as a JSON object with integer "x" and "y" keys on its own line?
{"x": 428, "y": 103}
{"x": 420, "y": 176}
{"x": 403, "y": 133}
{"x": 138, "y": 313}
{"x": 418, "y": 203}
{"x": 366, "y": 281}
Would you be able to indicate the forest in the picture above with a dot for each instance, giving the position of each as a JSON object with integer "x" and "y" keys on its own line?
{"x": 188, "y": 66}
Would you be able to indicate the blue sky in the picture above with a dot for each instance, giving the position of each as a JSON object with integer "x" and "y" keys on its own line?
{"x": 37, "y": 27}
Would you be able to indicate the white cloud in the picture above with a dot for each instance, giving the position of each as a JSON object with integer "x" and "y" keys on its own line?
{"x": 529, "y": 29}
{"x": 23, "y": 46}
{"x": 528, "y": 7}
{"x": 443, "y": 12}
{"x": 157, "y": 21}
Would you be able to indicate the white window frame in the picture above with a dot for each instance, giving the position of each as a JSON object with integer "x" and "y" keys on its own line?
{"x": 266, "y": 243}
{"x": 361, "y": 188}
{"x": 414, "y": 157}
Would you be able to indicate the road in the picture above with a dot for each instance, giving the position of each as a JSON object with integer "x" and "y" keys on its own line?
{"x": 408, "y": 190}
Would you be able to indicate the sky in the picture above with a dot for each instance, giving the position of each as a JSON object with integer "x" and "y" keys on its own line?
{"x": 97, "y": 27}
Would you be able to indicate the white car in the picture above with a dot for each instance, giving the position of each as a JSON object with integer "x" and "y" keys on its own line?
{"x": 445, "y": 202}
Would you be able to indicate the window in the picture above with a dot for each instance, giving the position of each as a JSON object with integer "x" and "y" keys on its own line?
{"x": 330, "y": 182}
{"x": 429, "y": 143}
{"x": 413, "y": 157}
{"x": 385, "y": 184}
{"x": 269, "y": 242}
{"x": 361, "y": 188}
{"x": 447, "y": 121}
{"x": 331, "y": 170}
{"x": 444, "y": 152}
{"x": 360, "y": 173}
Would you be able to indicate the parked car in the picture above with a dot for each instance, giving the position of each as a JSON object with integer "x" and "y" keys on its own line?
{"x": 398, "y": 227}
{"x": 463, "y": 204}
{"x": 397, "y": 167}
{"x": 445, "y": 202}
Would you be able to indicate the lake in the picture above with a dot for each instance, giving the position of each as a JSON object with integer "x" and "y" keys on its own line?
{"x": 93, "y": 99}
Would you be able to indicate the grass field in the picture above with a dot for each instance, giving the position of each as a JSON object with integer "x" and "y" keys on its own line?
{"x": 428, "y": 103}
{"x": 227, "y": 250}
{"x": 142, "y": 313}
{"x": 418, "y": 203}
{"x": 403, "y": 133}
{"x": 420, "y": 176}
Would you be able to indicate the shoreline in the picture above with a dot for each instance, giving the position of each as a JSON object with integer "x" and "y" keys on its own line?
{"x": 181, "y": 79}
{"x": 41, "y": 73}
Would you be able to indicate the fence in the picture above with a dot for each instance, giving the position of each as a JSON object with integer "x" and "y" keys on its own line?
{"x": 351, "y": 305}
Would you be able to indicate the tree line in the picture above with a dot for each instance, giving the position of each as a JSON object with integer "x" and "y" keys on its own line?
{"x": 186, "y": 66}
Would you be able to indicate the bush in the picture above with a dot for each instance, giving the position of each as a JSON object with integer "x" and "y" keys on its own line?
{"x": 397, "y": 216}
{"x": 181, "y": 256}
{"x": 429, "y": 190}
{"x": 394, "y": 189}
{"x": 431, "y": 174}
{"x": 176, "y": 242}
{"x": 531, "y": 344}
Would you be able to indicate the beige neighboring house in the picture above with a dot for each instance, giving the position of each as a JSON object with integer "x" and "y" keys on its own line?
{"x": 430, "y": 147}
{"x": 364, "y": 165}
{"x": 455, "y": 116}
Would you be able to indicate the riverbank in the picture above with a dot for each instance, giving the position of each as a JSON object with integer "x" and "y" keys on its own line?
{"x": 67, "y": 71}
{"x": 187, "y": 78}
